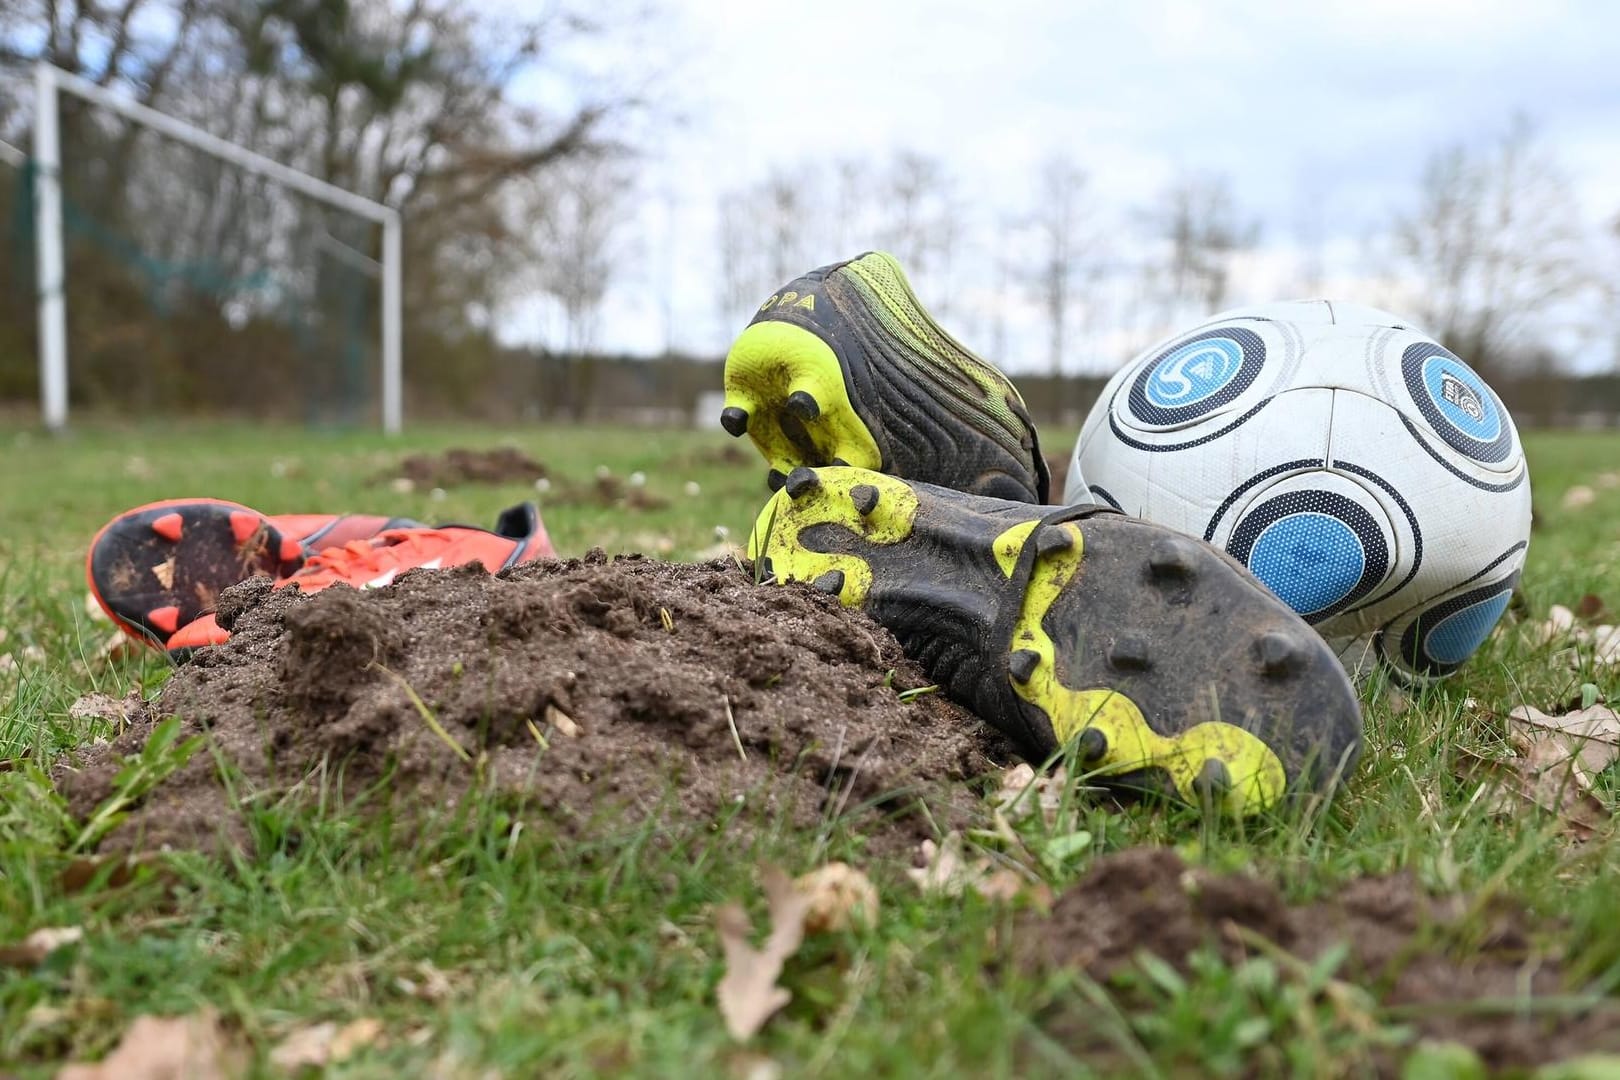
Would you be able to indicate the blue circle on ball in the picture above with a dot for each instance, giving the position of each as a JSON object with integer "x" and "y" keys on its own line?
{"x": 1194, "y": 372}
{"x": 1312, "y": 561}
{"x": 1461, "y": 397}
{"x": 1455, "y": 638}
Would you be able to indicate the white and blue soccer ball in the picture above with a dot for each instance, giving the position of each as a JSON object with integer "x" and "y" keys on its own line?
{"x": 1364, "y": 473}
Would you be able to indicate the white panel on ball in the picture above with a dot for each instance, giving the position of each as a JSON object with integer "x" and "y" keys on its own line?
{"x": 1358, "y": 468}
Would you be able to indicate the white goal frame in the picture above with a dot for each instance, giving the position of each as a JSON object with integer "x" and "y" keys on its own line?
{"x": 51, "y": 269}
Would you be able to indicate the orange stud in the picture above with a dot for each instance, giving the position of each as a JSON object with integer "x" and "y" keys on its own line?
{"x": 169, "y": 526}
{"x": 291, "y": 550}
{"x": 244, "y": 525}
{"x": 166, "y": 619}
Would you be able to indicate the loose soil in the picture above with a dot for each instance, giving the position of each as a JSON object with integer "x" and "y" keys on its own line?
{"x": 1430, "y": 956}
{"x": 681, "y": 691}
{"x": 1057, "y": 465}
{"x": 457, "y": 466}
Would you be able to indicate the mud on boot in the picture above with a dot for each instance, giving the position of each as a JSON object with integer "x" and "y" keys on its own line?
{"x": 1162, "y": 660}
{"x": 844, "y": 367}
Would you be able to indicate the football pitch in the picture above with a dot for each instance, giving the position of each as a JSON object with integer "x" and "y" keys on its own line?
{"x": 484, "y": 942}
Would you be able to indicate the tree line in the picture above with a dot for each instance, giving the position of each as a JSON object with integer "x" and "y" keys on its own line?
{"x": 507, "y": 201}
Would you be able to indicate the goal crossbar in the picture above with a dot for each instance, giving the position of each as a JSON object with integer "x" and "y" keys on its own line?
{"x": 49, "y": 81}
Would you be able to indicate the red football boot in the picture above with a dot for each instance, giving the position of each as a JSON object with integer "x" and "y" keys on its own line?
{"x": 158, "y": 567}
{"x": 370, "y": 563}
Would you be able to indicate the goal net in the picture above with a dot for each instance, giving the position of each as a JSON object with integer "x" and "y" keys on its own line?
{"x": 177, "y": 271}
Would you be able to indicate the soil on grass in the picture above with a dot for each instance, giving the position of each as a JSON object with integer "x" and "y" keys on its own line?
{"x": 1426, "y": 957}
{"x": 458, "y": 466}
{"x": 680, "y": 691}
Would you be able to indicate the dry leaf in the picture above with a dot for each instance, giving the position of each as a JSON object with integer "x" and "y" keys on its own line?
{"x": 1560, "y": 621}
{"x": 165, "y": 1048}
{"x": 324, "y": 1044}
{"x": 943, "y": 869}
{"x": 100, "y": 706}
{"x": 1590, "y": 607}
{"x": 748, "y": 993}
{"x": 840, "y": 897}
{"x": 37, "y": 946}
{"x": 1578, "y": 497}
{"x": 1589, "y": 736}
{"x": 1606, "y": 645}
{"x": 1023, "y": 792}
{"x": 1546, "y": 777}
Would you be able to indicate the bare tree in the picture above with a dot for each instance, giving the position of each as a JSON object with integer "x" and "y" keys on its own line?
{"x": 576, "y": 249}
{"x": 1493, "y": 243}
{"x": 1201, "y": 227}
{"x": 920, "y": 226}
{"x": 1062, "y": 222}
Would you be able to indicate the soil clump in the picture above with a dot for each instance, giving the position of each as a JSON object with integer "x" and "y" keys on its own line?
{"x": 1428, "y": 957}
{"x": 458, "y": 465}
{"x": 591, "y": 688}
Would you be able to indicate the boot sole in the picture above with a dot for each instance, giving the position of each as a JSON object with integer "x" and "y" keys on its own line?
{"x": 1193, "y": 671}
{"x": 785, "y": 389}
{"x": 160, "y": 566}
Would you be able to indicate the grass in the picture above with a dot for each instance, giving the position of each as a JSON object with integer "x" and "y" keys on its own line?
{"x": 486, "y": 946}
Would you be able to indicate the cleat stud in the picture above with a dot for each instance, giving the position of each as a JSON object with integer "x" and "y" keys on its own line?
{"x": 1129, "y": 652}
{"x": 735, "y": 421}
{"x": 775, "y": 479}
{"x": 1171, "y": 557}
{"x": 1213, "y": 781}
{"x": 840, "y": 462}
{"x": 1280, "y": 652}
{"x": 291, "y": 550}
{"x": 1092, "y": 746}
{"x": 830, "y": 582}
{"x": 801, "y": 481}
{"x": 170, "y": 526}
{"x": 865, "y": 498}
{"x": 166, "y": 619}
{"x": 802, "y": 405}
{"x": 244, "y": 525}
{"x": 1053, "y": 539}
{"x": 1022, "y": 664}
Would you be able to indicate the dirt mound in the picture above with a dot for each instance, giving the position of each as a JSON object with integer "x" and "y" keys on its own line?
{"x": 1431, "y": 956}
{"x": 504, "y": 465}
{"x": 587, "y": 686}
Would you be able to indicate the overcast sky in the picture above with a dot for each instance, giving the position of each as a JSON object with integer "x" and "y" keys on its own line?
{"x": 1318, "y": 113}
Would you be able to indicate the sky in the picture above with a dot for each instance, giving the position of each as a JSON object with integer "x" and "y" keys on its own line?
{"x": 1322, "y": 115}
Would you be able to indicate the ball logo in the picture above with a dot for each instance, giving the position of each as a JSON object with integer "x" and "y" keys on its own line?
{"x": 1456, "y": 403}
{"x": 1194, "y": 372}
{"x": 1455, "y": 393}
{"x": 1196, "y": 377}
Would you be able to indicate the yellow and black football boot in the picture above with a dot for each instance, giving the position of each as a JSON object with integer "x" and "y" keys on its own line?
{"x": 1164, "y": 662}
{"x": 844, "y": 367}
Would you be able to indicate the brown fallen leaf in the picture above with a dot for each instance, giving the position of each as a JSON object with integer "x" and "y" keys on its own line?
{"x": 946, "y": 870}
{"x": 1546, "y": 777}
{"x": 1589, "y": 737}
{"x": 840, "y": 897}
{"x": 34, "y": 948}
{"x": 165, "y": 1048}
{"x": 323, "y": 1044}
{"x": 748, "y": 994}
{"x": 99, "y": 706}
{"x": 1589, "y": 607}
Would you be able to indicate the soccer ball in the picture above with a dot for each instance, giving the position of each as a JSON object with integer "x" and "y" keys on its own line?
{"x": 1360, "y": 470}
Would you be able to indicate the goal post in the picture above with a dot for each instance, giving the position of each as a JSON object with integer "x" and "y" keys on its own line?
{"x": 51, "y": 267}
